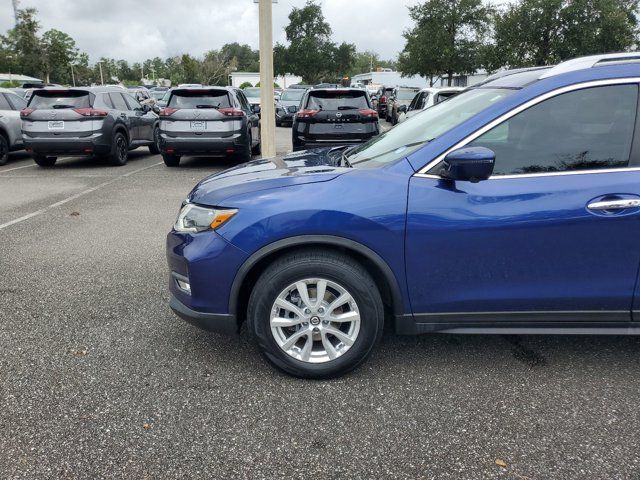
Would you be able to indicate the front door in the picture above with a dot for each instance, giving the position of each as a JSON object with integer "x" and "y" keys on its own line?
{"x": 554, "y": 230}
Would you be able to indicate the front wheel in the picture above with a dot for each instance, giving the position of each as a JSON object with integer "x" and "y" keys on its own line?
{"x": 154, "y": 148}
{"x": 257, "y": 150}
{"x": 316, "y": 314}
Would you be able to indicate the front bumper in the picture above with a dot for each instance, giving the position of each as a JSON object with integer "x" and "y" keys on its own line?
{"x": 213, "y": 322}
{"x": 209, "y": 264}
{"x": 95, "y": 143}
{"x": 207, "y": 145}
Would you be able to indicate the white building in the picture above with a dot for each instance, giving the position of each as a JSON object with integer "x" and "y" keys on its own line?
{"x": 389, "y": 78}
{"x": 238, "y": 78}
{"x": 393, "y": 79}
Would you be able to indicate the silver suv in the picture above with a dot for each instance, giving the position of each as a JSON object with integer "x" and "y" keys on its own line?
{"x": 210, "y": 121}
{"x": 10, "y": 137}
{"x": 101, "y": 121}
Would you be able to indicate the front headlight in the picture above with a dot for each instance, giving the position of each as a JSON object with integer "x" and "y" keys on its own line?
{"x": 193, "y": 218}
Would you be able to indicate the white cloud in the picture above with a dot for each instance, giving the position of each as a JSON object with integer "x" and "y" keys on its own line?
{"x": 139, "y": 29}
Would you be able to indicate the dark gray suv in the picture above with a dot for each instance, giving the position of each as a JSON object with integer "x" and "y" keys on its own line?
{"x": 101, "y": 121}
{"x": 216, "y": 121}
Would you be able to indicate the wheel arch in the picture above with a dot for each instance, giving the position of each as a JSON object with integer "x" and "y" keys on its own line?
{"x": 120, "y": 127}
{"x": 252, "y": 268}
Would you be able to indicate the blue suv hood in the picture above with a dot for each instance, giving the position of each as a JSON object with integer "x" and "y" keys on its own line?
{"x": 297, "y": 168}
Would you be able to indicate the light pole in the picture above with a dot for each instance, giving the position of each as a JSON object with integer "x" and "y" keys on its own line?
{"x": 73, "y": 77}
{"x": 267, "y": 109}
{"x": 101, "y": 77}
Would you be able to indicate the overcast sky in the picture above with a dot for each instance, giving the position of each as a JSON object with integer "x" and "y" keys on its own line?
{"x": 140, "y": 29}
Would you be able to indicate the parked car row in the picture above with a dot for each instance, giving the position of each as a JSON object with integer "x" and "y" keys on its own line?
{"x": 108, "y": 122}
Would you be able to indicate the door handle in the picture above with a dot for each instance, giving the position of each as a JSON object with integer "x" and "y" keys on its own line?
{"x": 614, "y": 204}
{"x": 123, "y": 115}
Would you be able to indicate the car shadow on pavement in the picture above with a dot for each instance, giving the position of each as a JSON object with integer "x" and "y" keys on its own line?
{"x": 91, "y": 162}
{"x": 221, "y": 163}
{"x": 445, "y": 354}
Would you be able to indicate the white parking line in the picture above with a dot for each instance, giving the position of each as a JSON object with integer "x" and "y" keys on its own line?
{"x": 16, "y": 168}
{"x": 73, "y": 197}
{"x": 27, "y": 166}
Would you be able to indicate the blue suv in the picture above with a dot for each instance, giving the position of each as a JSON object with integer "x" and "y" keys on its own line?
{"x": 513, "y": 207}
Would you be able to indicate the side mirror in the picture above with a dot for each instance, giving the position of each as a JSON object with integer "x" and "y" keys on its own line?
{"x": 402, "y": 109}
{"x": 256, "y": 109}
{"x": 471, "y": 164}
{"x": 156, "y": 109}
{"x": 146, "y": 108}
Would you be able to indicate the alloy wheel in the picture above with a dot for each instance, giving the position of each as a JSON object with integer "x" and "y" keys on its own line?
{"x": 315, "y": 320}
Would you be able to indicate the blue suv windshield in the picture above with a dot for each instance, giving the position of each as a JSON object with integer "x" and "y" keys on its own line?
{"x": 427, "y": 125}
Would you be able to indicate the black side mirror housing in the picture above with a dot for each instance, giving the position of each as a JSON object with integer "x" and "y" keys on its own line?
{"x": 156, "y": 109}
{"x": 146, "y": 108}
{"x": 402, "y": 109}
{"x": 471, "y": 164}
{"x": 256, "y": 109}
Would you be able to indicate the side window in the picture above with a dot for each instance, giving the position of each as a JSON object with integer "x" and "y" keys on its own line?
{"x": 133, "y": 103}
{"x": 414, "y": 102}
{"x": 4, "y": 103}
{"x": 106, "y": 100}
{"x": 585, "y": 129}
{"x": 422, "y": 101}
{"x": 244, "y": 103}
{"x": 118, "y": 101}
{"x": 16, "y": 102}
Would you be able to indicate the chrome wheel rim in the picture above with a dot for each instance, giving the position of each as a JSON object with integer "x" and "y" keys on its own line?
{"x": 315, "y": 320}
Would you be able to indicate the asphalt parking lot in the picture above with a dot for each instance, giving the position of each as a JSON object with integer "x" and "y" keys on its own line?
{"x": 99, "y": 379}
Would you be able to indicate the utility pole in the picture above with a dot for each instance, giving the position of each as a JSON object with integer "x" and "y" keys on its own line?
{"x": 101, "y": 77}
{"x": 16, "y": 7}
{"x": 73, "y": 77}
{"x": 267, "y": 109}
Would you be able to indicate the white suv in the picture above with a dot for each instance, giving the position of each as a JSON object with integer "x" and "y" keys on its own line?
{"x": 10, "y": 124}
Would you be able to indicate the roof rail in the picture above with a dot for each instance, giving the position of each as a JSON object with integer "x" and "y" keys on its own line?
{"x": 581, "y": 63}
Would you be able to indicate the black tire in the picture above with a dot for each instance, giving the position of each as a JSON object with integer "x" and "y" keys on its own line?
{"x": 119, "y": 150}
{"x": 394, "y": 120}
{"x": 4, "y": 149}
{"x": 43, "y": 160}
{"x": 154, "y": 148}
{"x": 278, "y": 123}
{"x": 171, "y": 160}
{"x": 331, "y": 266}
{"x": 244, "y": 155}
{"x": 257, "y": 150}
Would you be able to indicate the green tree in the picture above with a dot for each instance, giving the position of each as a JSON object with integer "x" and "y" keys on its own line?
{"x": 21, "y": 45}
{"x": 448, "y": 38}
{"x": 246, "y": 85}
{"x": 344, "y": 56}
{"x": 247, "y": 60}
{"x": 364, "y": 62}
{"x": 543, "y": 32}
{"x": 310, "y": 51}
{"x": 59, "y": 52}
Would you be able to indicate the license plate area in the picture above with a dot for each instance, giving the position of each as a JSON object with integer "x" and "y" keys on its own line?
{"x": 198, "y": 125}
{"x": 55, "y": 125}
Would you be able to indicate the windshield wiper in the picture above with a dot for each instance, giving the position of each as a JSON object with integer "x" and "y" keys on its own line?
{"x": 348, "y": 107}
{"x": 208, "y": 106}
{"x": 63, "y": 106}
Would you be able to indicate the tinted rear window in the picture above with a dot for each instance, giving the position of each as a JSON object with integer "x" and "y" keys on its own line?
{"x": 337, "y": 100}
{"x": 293, "y": 95}
{"x": 252, "y": 92}
{"x": 46, "y": 100}
{"x": 195, "y": 99}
